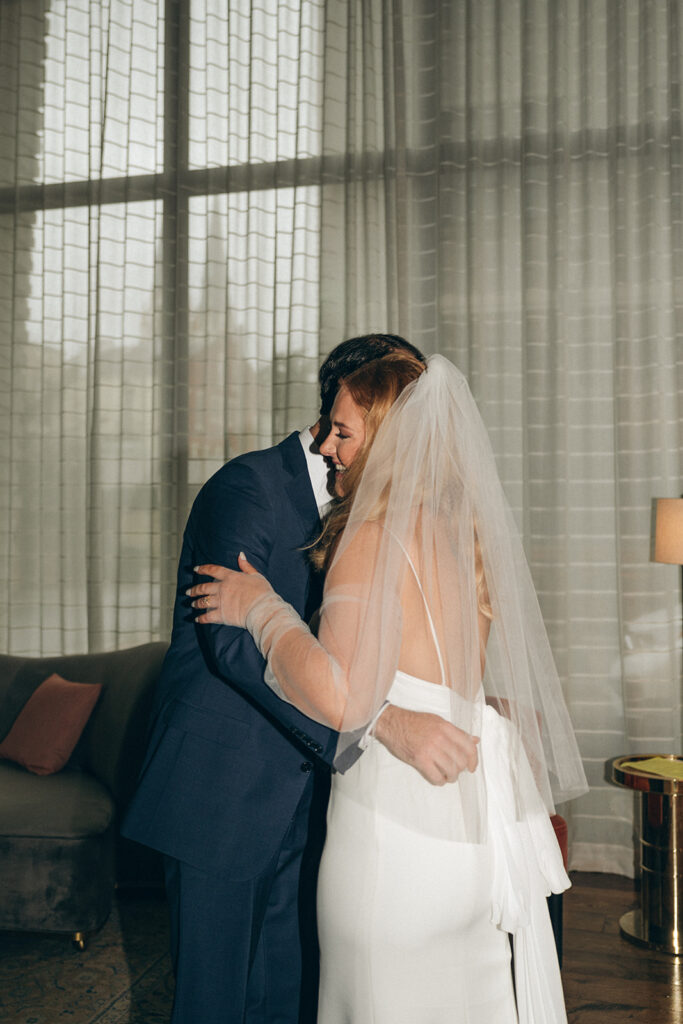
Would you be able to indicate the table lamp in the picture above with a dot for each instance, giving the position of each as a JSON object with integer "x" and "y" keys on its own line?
{"x": 668, "y": 535}
{"x": 669, "y": 531}
{"x": 658, "y": 922}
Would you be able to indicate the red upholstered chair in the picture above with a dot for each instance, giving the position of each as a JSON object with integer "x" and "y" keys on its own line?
{"x": 560, "y": 826}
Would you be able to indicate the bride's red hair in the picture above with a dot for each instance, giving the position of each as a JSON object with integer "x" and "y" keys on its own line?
{"x": 374, "y": 387}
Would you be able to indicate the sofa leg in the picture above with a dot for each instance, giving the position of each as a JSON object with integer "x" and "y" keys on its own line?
{"x": 79, "y": 940}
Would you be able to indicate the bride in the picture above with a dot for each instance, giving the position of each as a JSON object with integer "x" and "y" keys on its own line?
{"x": 428, "y": 604}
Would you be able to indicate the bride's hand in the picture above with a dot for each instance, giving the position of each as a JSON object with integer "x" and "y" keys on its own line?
{"x": 229, "y": 597}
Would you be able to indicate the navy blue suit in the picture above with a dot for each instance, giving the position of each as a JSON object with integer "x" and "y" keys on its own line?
{"x": 228, "y": 788}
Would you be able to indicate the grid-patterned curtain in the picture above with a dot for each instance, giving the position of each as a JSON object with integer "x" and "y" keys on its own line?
{"x": 159, "y": 233}
{"x": 512, "y": 197}
{"x": 82, "y": 323}
{"x": 198, "y": 199}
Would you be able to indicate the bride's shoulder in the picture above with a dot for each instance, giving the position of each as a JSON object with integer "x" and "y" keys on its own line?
{"x": 364, "y": 530}
{"x": 357, "y": 548}
{"x": 369, "y": 535}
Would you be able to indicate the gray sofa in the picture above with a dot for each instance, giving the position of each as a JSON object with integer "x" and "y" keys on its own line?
{"x": 60, "y": 850}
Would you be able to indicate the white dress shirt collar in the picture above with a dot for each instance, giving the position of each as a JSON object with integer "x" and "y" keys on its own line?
{"x": 317, "y": 471}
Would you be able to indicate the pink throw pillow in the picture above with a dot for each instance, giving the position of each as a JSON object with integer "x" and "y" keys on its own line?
{"x": 49, "y": 725}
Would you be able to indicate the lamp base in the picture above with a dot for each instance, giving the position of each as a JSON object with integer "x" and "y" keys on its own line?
{"x": 631, "y": 927}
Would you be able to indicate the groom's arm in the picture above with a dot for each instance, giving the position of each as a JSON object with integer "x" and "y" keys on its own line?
{"x": 435, "y": 748}
{"x": 236, "y": 513}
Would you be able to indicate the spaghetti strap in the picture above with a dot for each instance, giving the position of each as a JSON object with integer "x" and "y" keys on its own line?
{"x": 424, "y": 601}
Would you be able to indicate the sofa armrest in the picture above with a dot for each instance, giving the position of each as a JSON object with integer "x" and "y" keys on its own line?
{"x": 114, "y": 739}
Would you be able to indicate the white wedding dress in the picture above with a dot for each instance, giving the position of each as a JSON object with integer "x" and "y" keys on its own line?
{"x": 421, "y": 887}
{"x": 414, "y": 929}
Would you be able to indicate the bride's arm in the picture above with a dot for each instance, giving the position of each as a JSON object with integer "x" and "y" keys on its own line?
{"x": 314, "y": 674}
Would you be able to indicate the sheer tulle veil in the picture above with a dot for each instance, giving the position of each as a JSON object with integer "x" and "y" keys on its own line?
{"x": 429, "y": 494}
{"x": 429, "y": 602}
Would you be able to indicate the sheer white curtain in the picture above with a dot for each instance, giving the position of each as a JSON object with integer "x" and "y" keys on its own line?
{"x": 511, "y": 197}
{"x": 199, "y": 199}
{"x": 83, "y": 361}
{"x": 159, "y": 295}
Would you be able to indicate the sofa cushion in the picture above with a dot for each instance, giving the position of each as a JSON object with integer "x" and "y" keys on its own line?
{"x": 49, "y": 725}
{"x": 67, "y": 805}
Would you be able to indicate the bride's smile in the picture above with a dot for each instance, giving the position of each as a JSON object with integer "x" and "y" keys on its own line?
{"x": 346, "y": 437}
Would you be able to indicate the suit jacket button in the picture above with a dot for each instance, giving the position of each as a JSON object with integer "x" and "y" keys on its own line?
{"x": 307, "y": 766}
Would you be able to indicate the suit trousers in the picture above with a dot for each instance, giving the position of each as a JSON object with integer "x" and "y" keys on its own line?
{"x": 245, "y": 951}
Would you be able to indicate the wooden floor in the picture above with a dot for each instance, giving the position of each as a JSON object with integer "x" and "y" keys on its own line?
{"x": 608, "y": 980}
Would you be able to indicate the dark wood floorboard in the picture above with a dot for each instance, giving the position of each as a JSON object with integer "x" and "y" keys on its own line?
{"x": 608, "y": 980}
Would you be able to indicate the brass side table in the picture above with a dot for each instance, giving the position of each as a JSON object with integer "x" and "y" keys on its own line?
{"x": 658, "y": 924}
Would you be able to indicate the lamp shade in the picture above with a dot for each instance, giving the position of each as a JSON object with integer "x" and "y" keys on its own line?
{"x": 669, "y": 531}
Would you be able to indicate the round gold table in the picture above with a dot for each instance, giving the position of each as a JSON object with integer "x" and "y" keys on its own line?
{"x": 658, "y": 924}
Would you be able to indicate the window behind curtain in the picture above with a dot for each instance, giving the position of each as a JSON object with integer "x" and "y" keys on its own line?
{"x": 159, "y": 227}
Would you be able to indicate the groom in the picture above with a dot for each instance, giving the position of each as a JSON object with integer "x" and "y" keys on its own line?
{"x": 234, "y": 785}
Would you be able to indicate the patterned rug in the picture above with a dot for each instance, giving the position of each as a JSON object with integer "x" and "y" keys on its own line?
{"x": 122, "y": 977}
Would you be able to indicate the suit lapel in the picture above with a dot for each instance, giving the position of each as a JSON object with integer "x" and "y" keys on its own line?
{"x": 298, "y": 484}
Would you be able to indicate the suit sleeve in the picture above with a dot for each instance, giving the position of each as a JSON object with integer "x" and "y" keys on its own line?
{"x": 236, "y": 513}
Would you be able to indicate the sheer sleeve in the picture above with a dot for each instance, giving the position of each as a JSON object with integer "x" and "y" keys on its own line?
{"x": 316, "y": 674}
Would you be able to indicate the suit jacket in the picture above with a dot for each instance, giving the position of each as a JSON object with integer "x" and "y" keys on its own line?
{"x": 227, "y": 761}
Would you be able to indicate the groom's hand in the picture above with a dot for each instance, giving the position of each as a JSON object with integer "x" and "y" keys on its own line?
{"x": 438, "y": 750}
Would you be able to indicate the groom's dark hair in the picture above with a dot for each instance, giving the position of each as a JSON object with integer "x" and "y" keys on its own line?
{"x": 349, "y": 355}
